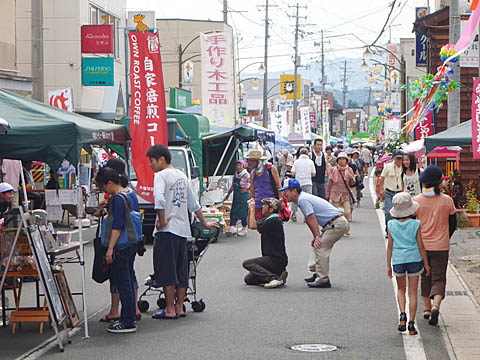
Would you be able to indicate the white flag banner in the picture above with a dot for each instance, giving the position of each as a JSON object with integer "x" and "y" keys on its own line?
{"x": 305, "y": 123}
{"x": 62, "y": 99}
{"x": 218, "y": 103}
{"x": 279, "y": 123}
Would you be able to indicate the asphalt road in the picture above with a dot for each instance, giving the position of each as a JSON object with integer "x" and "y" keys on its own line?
{"x": 358, "y": 314}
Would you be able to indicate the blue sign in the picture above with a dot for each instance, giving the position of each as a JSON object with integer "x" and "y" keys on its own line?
{"x": 97, "y": 71}
{"x": 421, "y": 41}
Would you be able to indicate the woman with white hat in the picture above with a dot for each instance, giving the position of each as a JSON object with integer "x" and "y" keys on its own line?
{"x": 340, "y": 180}
{"x": 407, "y": 254}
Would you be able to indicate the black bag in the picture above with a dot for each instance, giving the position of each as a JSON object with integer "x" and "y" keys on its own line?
{"x": 101, "y": 270}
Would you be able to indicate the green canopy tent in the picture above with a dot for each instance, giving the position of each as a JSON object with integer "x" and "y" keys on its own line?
{"x": 217, "y": 146}
{"x": 44, "y": 133}
{"x": 455, "y": 136}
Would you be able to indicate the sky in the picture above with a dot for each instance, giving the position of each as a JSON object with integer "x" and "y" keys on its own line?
{"x": 348, "y": 25}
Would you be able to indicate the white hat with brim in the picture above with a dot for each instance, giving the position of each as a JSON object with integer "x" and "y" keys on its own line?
{"x": 403, "y": 205}
{"x": 342, "y": 155}
{"x": 255, "y": 155}
{"x": 5, "y": 187}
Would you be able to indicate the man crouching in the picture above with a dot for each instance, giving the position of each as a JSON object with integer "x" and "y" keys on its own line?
{"x": 269, "y": 269}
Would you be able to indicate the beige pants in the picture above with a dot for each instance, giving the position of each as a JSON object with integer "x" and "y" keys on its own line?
{"x": 329, "y": 237}
{"x": 347, "y": 208}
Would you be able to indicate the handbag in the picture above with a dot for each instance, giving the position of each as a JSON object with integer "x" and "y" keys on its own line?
{"x": 351, "y": 195}
{"x": 132, "y": 233}
{"x": 101, "y": 270}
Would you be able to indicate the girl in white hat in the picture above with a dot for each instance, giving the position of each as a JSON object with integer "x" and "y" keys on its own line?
{"x": 407, "y": 255}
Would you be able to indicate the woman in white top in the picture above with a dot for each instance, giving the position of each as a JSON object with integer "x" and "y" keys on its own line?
{"x": 410, "y": 175}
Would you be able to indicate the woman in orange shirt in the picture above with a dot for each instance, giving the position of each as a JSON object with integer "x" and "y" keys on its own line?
{"x": 437, "y": 223}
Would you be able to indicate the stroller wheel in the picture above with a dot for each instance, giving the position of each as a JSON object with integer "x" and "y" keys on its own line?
{"x": 202, "y": 304}
{"x": 184, "y": 308}
{"x": 161, "y": 303}
{"x": 143, "y": 305}
{"x": 198, "y": 306}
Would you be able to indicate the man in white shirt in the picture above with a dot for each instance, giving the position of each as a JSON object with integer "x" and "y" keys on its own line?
{"x": 366, "y": 156}
{"x": 303, "y": 170}
{"x": 173, "y": 200}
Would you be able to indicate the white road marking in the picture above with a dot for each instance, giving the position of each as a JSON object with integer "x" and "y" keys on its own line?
{"x": 412, "y": 344}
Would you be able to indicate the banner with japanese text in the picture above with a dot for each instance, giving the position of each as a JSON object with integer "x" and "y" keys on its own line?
{"x": 278, "y": 121}
{"x": 476, "y": 119}
{"x": 421, "y": 40}
{"x": 218, "y": 102}
{"x": 425, "y": 127}
{"x": 62, "y": 99}
{"x": 305, "y": 123}
{"x": 148, "y": 116}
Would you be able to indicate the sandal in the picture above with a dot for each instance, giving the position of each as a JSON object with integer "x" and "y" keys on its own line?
{"x": 411, "y": 328}
{"x": 108, "y": 319}
{"x": 434, "y": 318}
{"x": 427, "y": 314}
{"x": 138, "y": 317}
{"x": 403, "y": 322}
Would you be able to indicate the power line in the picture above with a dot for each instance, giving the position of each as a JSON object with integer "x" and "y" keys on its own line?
{"x": 386, "y": 22}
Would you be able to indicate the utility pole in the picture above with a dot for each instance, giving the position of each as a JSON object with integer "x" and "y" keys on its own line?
{"x": 344, "y": 126}
{"x": 37, "y": 50}
{"x": 265, "y": 64}
{"x": 225, "y": 11}
{"x": 453, "y": 111}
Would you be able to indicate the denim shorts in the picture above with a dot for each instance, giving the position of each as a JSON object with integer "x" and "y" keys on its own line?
{"x": 412, "y": 269}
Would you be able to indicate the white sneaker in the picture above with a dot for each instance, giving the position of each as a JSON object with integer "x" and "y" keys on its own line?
{"x": 242, "y": 232}
{"x": 232, "y": 231}
{"x": 273, "y": 284}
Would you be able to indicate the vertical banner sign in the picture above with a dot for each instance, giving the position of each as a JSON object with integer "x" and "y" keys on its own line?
{"x": 421, "y": 41}
{"x": 476, "y": 119}
{"x": 148, "y": 116}
{"x": 305, "y": 123}
{"x": 218, "y": 103}
{"x": 62, "y": 99}
{"x": 279, "y": 123}
{"x": 425, "y": 128}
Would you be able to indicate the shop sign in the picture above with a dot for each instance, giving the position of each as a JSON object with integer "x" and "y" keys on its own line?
{"x": 97, "y": 71}
{"x": 97, "y": 39}
{"x": 305, "y": 123}
{"x": 180, "y": 98}
{"x": 279, "y": 123}
{"x": 62, "y": 99}
{"x": 421, "y": 41}
{"x": 141, "y": 20}
{"x": 148, "y": 116}
{"x": 287, "y": 86}
{"x": 476, "y": 119}
{"x": 218, "y": 102}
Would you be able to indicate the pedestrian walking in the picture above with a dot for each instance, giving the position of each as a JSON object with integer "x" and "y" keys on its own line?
{"x": 411, "y": 175}
{"x": 303, "y": 170}
{"x": 268, "y": 270}
{"x": 331, "y": 159}
{"x": 285, "y": 158}
{"x": 121, "y": 256}
{"x": 438, "y": 222}
{"x": 264, "y": 180}
{"x": 391, "y": 182}
{"x": 240, "y": 188}
{"x": 366, "y": 156}
{"x": 174, "y": 200}
{"x": 327, "y": 225}
{"x": 360, "y": 165}
{"x": 320, "y": 162}
{"x": 340, "y": 181}
{"x": 406, "y": 253}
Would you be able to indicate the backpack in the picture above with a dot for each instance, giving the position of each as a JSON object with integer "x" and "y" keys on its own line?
{"x": 284, "y": 212}
{"x": 133, "y": 225}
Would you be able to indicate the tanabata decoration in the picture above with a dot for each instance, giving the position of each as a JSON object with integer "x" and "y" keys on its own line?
{"x": 431, "y": 90}
{"x": 388, "y": 109}
{"x": 375, "y": 125}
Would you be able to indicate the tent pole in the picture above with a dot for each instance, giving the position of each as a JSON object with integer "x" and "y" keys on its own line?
{"x": 223, "y": 156}
{"x": 24, "y": 188}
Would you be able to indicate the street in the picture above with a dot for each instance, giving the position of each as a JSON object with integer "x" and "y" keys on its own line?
{"x": 358, "y": 314}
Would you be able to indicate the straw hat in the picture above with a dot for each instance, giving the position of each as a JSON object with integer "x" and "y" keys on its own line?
{"x": 342, "y": 155}
{"x": 255, "y": 154}
{"x": 403, "y": 205}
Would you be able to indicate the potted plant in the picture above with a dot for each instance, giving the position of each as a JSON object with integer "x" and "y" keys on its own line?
{"x": 472, "y": 207}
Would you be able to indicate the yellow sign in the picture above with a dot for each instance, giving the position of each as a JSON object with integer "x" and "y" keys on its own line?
{"x": 287, "y": 86}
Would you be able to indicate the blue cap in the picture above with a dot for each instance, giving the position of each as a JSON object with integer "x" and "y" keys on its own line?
{"x": 292, "y": 184}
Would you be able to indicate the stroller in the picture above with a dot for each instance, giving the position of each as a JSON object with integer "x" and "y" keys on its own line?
{"x": 196, "y": 248}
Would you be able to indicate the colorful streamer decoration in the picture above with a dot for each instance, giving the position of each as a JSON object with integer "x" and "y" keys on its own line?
{"x": 431, "y": 90}
{"x": 388, "y": 109}
{"x": 375, "y": 126}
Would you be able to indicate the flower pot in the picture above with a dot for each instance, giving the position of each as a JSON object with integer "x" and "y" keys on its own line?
{"x": 473, "y": 220}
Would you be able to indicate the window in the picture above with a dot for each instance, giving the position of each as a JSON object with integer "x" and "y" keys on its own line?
{"x": 101, "y": 17}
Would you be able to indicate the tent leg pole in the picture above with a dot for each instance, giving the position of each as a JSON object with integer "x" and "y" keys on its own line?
{"x": 230, "y": 160}
{"x": 223, "y": 156}
{"x": 24, "y": 188}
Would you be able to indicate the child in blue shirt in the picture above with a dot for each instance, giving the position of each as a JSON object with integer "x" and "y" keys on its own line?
{"x": 407, "y": 255}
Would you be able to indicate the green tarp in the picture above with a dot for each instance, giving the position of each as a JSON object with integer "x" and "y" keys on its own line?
{"x": 44, "y": 133}
{"x": 455, "y": 136}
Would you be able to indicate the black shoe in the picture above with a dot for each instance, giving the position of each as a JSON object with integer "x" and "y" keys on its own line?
{"x": 118, "y": 327}
{"x": 411, "y": 328}
{"x": 318, "y": 284}
{"x": 311, "y": 278}
{"x": 402, "y": 326}
{"x": 283, "y": 277}
{"x": 434, "y": 318}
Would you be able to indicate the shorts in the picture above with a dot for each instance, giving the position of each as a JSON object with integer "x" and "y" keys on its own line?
{"x": 170, "y": 262}
{"x": 114, "y": 287}
{"x": 412, "y": 269}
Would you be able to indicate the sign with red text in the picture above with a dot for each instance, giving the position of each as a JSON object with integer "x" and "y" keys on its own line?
{"x": 62, "y": 99}
{"x": 218, "y": 103}
{"x": 97, "y": 39}
{"x": 476, "y": 119}
{"x": 425, "y": 127}
{"x": 148, "y": 116}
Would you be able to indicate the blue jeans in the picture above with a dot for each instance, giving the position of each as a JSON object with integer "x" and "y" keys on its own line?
{"x": 233, "y": 222}
{"x": 319, "y": 189}
{"x": 123, "y": 276}
{"x": 387, "y": 206}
